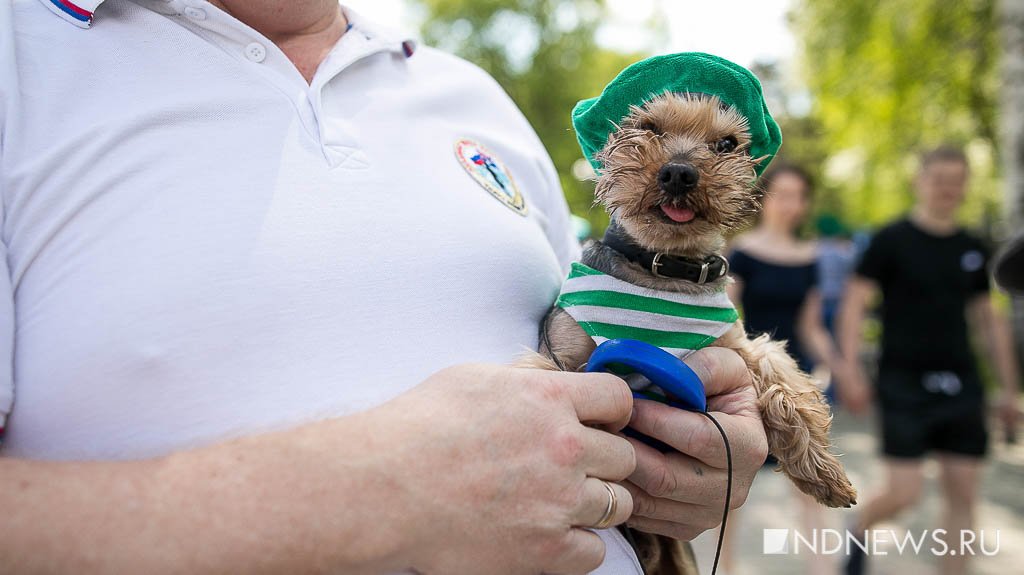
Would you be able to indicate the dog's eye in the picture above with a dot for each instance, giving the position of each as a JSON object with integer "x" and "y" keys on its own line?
{"x": 650, "y": 127}
{"x": 726, "y": 145}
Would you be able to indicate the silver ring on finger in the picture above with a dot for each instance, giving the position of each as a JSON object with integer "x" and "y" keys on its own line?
{"x": 609, "y": 512}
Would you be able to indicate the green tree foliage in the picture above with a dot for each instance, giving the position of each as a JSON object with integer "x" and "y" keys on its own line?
{"x": 544, "y": 54}
{"x": 890, "y": 78}
{"x": 801, "y": 135}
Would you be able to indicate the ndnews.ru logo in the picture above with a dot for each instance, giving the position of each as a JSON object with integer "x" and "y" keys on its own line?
{"x": 881, "y": 542}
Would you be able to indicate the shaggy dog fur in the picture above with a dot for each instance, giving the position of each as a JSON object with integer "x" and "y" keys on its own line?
{"x": 713, "y": 138}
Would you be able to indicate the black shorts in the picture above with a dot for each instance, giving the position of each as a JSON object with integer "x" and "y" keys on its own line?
{"x": 931, "y": 411}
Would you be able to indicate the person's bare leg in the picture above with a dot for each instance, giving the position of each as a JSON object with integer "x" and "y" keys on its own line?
{"x": 813, "y": 519}
{"x": 960, "y": 476}
{"x": 728, "y": 565}
{"x": 904, "y": 482}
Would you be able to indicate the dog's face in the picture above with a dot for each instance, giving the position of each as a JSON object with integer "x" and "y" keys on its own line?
{"x": 677, "y": 175}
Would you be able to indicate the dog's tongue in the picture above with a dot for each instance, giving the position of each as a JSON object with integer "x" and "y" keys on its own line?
{"x": 677, "y": 214}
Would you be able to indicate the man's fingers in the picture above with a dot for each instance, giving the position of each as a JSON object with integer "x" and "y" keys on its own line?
{"x": 680, "y": 531}
{"x": 607, "y": 456}
{"x": 695, "y": 435}
{"x": 704, "y": 516}
{"x": 721, "y": 370}
{"x": 581, "y": 552}
{"x": 600, "y": 398}
{"x": 677, "y": 477}
{"x": 597, "y": 500}
{"x": 685, "y": 479}
{"x": 727, "y": 381}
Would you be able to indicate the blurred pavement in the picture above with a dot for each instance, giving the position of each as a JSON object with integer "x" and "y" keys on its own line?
{"x": 771, "y": 505}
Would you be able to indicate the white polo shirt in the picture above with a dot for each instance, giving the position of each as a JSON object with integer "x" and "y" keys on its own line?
{"x": 198, "y": 244}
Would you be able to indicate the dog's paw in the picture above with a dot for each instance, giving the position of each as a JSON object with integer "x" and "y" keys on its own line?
{"x": 838, "y": 492}
{"x": 821, "y": 476}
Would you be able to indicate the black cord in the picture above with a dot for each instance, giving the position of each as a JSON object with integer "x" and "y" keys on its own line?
{"x": 547, "y": 342}
{"x": 728, "y": 489}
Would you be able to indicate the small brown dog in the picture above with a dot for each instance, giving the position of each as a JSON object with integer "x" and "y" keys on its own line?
{"x": 677, "y": 179}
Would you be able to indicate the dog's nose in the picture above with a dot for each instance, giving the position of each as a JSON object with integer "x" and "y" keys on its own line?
{"x": 677, "y": 179}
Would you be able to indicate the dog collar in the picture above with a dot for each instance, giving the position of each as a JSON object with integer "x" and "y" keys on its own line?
{"x": 661, "y": 264}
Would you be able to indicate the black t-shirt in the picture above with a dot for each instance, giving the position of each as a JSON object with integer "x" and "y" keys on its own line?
{"x": 926, "y": 282}
{"x": 772, "y": 297}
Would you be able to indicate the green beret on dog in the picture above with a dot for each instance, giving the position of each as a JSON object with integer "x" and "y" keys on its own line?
{"x": 596, "y": 118}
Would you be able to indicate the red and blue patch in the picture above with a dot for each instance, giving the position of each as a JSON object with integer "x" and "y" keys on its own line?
{"x": 73, "y": 10}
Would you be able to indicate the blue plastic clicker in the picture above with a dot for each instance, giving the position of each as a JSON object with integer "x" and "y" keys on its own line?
{"x": 681, "y": 386}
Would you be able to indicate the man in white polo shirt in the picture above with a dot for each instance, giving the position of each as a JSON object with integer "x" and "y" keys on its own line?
{"x": 231, "y": 218}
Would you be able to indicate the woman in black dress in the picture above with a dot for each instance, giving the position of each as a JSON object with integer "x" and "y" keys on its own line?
{"x": 775, "y": 284}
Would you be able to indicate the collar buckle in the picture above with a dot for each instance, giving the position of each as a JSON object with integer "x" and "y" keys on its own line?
{"x": 705, "y": 268}
{"x": 725, "y": 265}
{"x": 656, "y": 263}
{"x": 703, "y": 273}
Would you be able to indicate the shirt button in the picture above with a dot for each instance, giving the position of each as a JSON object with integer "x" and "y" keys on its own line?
{"x": 256, "y": 52}
{"x": 195, "y": 13}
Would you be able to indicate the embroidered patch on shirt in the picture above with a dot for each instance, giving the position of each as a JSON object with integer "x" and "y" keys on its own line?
{"x": 490, "y": 173}
{"x": 609, "y": 308}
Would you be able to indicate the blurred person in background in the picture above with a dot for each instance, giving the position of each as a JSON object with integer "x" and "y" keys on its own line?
{"x": 776, "y": 283}
{"x": 837, "y": 255}
{"x": 1009, "y": 274}
{"x": 1009, "y": 267}
{"x": 932, "y": 277}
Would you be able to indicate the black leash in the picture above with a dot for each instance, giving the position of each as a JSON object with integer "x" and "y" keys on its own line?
{"x": 728, "y": 489}
{"x": 725, "y": 439}
{"x": 547, "y": 342}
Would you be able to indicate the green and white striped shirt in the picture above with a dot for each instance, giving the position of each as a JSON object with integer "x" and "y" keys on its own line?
{"x": 609, "y": 308}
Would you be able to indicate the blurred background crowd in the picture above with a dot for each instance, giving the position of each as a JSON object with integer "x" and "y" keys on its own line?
{"x": 860, "y": 88}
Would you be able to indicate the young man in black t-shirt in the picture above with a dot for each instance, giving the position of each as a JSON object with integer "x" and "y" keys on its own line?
{"x": 933, "y": 278}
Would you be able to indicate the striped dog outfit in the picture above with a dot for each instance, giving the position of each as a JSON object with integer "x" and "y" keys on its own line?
{"x": 609, "y": 308}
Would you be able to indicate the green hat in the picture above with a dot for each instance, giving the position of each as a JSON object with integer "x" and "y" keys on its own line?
{"x": 595, "y": 119}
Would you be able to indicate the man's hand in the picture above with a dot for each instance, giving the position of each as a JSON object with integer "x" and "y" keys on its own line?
{"x": 478, "y": 468}
{"x": 494, "y": 467}
{"x": 853, "y": 389}
{"x": 682, "y": 494}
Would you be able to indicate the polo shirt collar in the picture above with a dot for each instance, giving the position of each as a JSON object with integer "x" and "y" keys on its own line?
{"x": 80, "y": 13}
{"x": 386, "y": 37}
